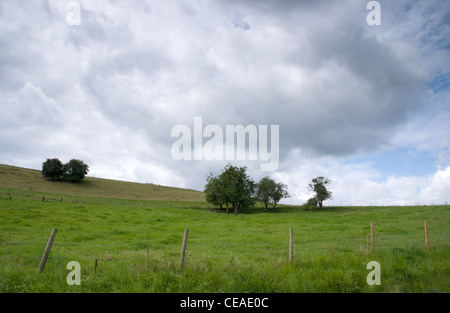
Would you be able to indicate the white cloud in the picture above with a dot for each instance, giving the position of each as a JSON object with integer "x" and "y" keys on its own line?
{"x": 30, "y": 107}
{"x": 357, "y": 184}
{"x": 436, "y": 191}
{"x": 110, "y": 90}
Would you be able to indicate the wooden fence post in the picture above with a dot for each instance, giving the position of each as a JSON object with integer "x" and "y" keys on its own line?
{"x": 371, "y": 237}
{"x": 47, "y": 250}
{"x": 427, "y": 243}
{"x": 183, "y": 248}
{"x": 291, "y": 245}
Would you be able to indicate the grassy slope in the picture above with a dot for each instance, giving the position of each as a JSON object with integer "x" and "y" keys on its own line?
{"x": 138, "y": 243}
{"x": 27, "y": 179}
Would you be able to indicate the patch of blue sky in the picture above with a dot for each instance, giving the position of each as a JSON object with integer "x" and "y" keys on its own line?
{"x": 441, "y": 82}
{"x": 401, "y": 162}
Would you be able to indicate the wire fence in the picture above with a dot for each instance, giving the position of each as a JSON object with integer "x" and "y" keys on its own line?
{"x": 33, "y": 197}
{"x": 153, "y": 247}
{"x": 226, "y": 252}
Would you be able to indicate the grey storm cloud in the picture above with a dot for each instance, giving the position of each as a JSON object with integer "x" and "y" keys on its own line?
{"x": 119, "y": 82}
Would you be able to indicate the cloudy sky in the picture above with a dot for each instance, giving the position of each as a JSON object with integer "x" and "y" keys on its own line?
{"x": 367, "y": 106}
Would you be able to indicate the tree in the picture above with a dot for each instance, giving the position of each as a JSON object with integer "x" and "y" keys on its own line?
{"x": 239, "y": 187}
{"x": 319, "y": 186}
{"x": 270, "y": 192}
{"x": 215, "y": 193}
{"x": 75, "y": 170}
{"x": 52, "y": 168}
{"x": 232, "y": 186}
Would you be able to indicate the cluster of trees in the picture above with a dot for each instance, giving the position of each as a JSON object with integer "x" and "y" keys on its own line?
{"x": 234, "y": 188}
{"x": 72, "y": 171}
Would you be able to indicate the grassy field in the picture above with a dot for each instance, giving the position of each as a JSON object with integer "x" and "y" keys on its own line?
{"x": 137, "y": 242}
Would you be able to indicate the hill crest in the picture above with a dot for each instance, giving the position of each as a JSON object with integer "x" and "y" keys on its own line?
{"x": 30, "y": 179}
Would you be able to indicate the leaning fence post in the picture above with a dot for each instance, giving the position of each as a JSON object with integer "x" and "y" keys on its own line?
{"x": 427, "y": 243}
{"x": 47, "y": 250}
{"x": 183, "y": 248}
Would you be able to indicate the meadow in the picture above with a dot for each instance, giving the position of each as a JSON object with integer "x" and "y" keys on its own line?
{"x": 137, "y": 242}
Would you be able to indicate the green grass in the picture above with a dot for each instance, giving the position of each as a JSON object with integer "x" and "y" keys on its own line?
{"x": 138, "y": 248}
{"x": 137, "y": 243}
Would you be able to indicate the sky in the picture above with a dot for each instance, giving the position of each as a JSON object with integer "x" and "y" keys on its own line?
{"x": 360, "y": 93}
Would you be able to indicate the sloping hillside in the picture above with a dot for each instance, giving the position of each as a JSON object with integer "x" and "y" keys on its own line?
{"x": 28, "y": 179}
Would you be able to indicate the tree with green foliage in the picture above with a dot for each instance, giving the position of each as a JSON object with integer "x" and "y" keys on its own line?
{"x": 75, "y": 170}
{"x": 52, "y": 168}
{"x": 270, "y": 192}
{"x": 232, "y": 187}
{"x": 239, "y": 187}
{"x": 215, "y": 191}
{"x": 319, "y": 186}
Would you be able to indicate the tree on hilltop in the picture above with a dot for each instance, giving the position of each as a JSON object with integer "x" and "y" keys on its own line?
{"x": 75, "y": 170}
{"x": 52, "y": 168}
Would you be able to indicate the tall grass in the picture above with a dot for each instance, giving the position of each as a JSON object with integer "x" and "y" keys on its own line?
{"x": 137, "y": 244}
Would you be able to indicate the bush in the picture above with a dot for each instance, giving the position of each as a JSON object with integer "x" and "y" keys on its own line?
{"x": 311, "y": 204}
